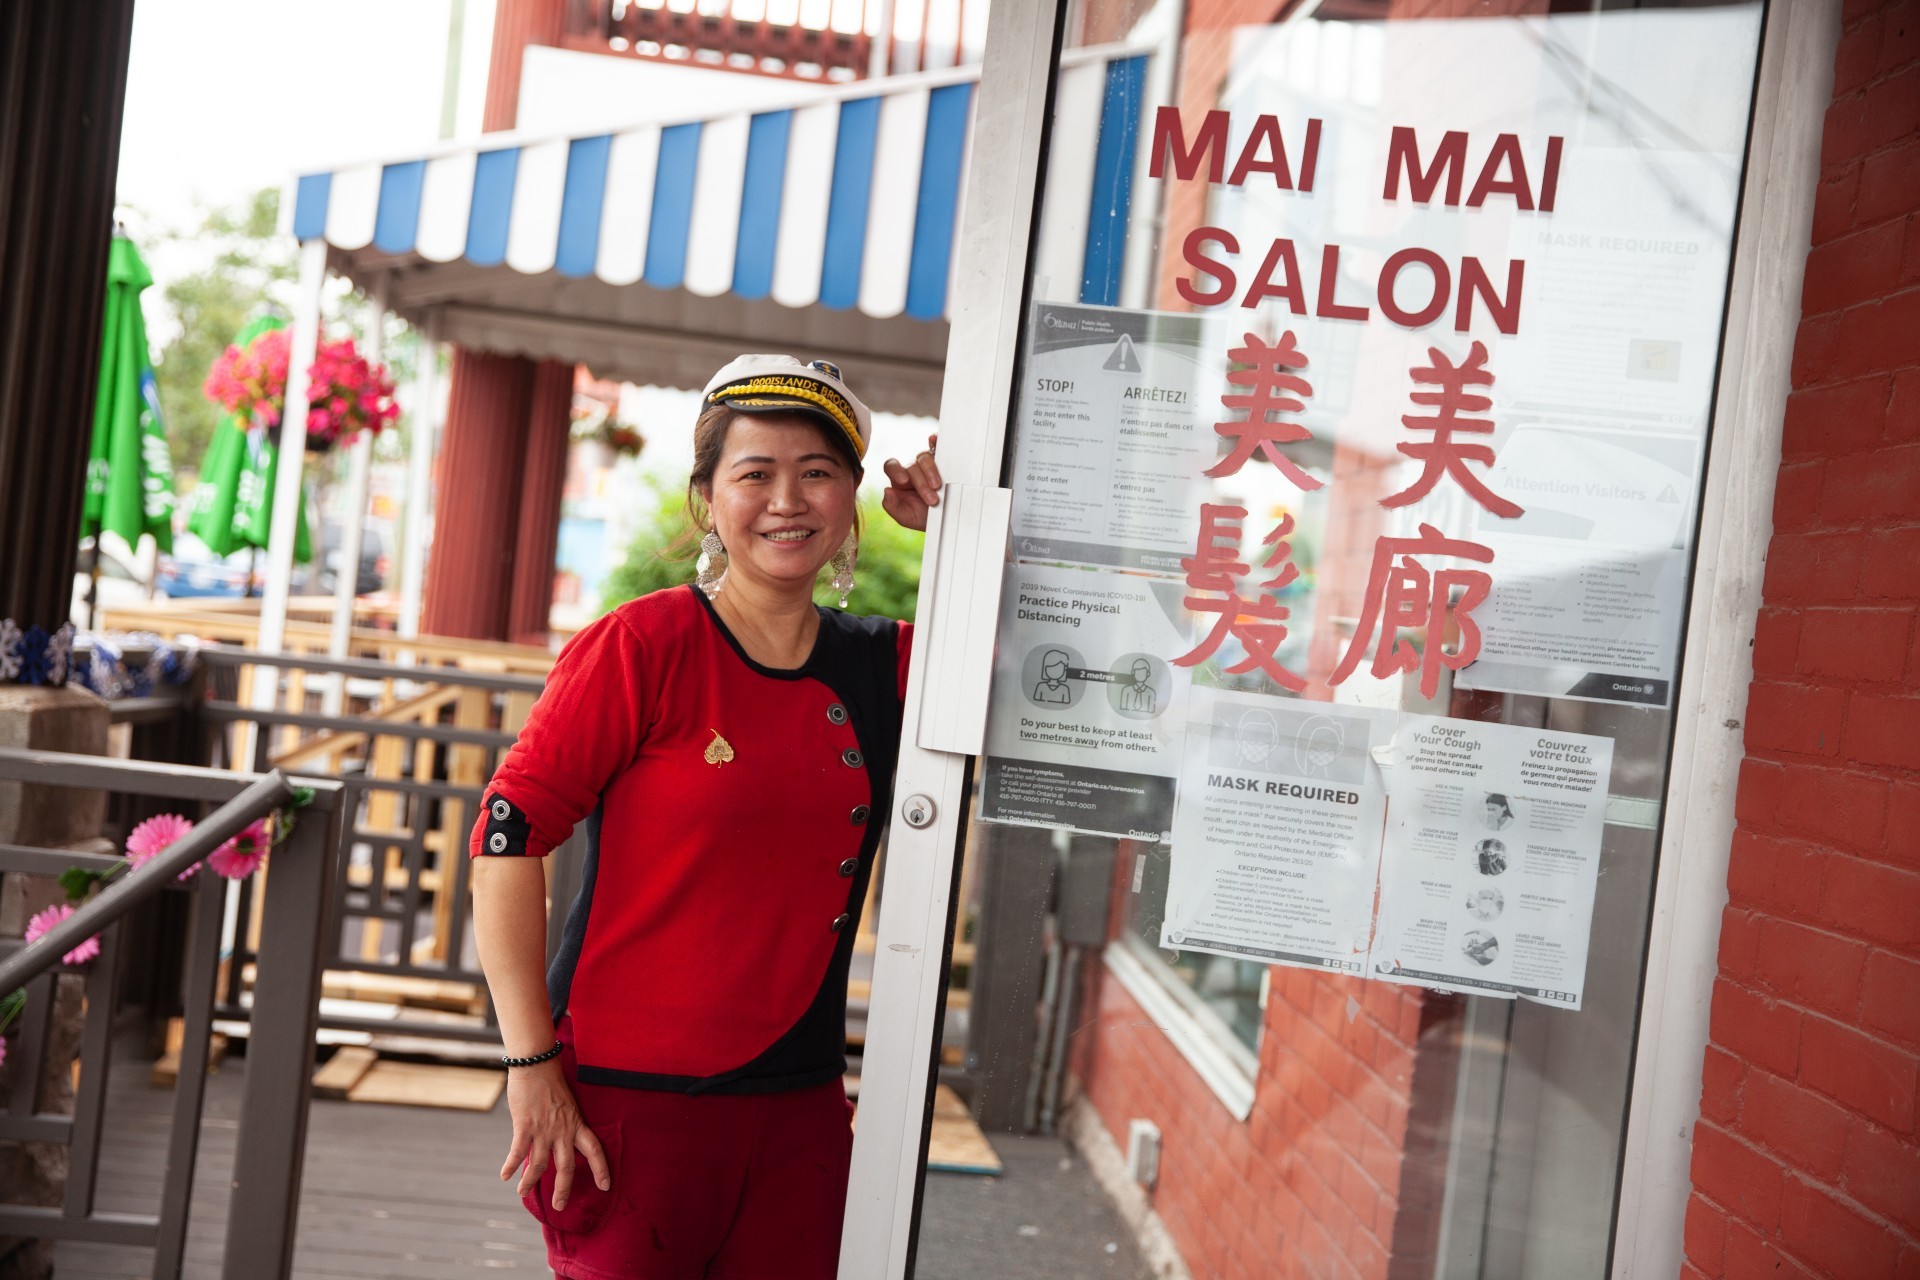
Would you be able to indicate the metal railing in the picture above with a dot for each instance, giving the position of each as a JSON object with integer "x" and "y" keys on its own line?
{"x": 271, "y": 1142}
{"x": 660, "y": 32}
{"x": 412, "y": 765}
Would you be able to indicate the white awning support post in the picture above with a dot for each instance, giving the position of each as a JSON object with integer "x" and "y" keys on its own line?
{"x": 422, "y": 411}
{"x": 284, "y": 529}
{"x": 346, "y": 578}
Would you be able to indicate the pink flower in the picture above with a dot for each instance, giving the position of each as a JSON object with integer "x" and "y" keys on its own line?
{"x": 45, "y": 920}
{"x": 345, "y": 393}
{"x": 3, "y": 1051}
{"x": 153, "y": 835}
{"x": 249, "y": 382}
{"x": 241, "y": 856}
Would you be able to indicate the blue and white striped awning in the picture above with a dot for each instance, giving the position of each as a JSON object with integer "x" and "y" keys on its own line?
{"x": 841, "y": 211}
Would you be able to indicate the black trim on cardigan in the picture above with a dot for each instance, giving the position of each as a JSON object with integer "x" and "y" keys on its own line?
{"x": 573, "y": 935}
{"x": 508, "y": 829}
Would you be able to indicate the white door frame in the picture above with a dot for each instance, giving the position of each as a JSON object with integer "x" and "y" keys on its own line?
{"x": 1795, "y": 84}
{"x": 959, "y": 613}
{"x": 1794, "y": 87}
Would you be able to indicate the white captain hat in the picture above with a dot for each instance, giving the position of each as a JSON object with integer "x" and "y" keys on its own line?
{"x": 783, "y": 384}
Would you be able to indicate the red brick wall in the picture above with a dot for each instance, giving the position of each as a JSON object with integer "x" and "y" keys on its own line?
{"x": 1205, "y": 51}
{"x": 1807, "y": 1159}
{"x": 1336, "y": 1174}
{"x": 1311, "y": 1183}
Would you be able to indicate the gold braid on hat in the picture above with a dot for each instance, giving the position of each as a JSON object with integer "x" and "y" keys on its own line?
{"x": 752, "y": 392}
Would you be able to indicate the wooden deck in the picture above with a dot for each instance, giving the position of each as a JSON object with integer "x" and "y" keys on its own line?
{"x": 411, "y": 1193}
{"x": 399, "y": 1192}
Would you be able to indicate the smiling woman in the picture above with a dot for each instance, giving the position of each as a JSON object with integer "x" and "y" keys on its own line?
{"x": 731, "y": 745}
{"x": 776, "y": 469}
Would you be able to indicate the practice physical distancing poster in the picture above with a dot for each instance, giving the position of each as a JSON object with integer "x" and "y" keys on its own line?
{"x": 1414, "y": 429}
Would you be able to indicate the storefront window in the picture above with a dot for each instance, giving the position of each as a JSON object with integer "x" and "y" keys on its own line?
{"x": 1233, "y": 991}
{"x": 1356, "y": 469}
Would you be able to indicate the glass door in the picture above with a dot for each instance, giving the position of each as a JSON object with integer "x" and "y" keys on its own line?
{"x": 1356, "y": 432}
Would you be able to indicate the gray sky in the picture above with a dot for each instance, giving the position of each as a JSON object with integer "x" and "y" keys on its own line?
{"x": 227, "y": 96}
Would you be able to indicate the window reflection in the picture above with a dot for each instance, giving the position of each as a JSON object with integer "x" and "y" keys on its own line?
{"x": 1233, "y": 990}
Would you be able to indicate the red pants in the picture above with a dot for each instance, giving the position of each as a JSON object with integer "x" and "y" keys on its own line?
{"x": 709, "y": 1187}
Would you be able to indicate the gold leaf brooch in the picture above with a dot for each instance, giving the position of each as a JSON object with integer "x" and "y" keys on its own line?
{"x": 719, "y": 751}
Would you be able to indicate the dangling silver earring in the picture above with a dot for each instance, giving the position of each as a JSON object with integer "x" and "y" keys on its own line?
{"x": 843, "y": 561}
{"x": 711, "y": 568}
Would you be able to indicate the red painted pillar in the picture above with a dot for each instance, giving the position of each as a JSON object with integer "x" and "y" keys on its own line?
{"x": 543, "y": 476}
{"x": 490, "y": 575}
{"x": 516, "y": 24}
{"x": 470, "y": 570}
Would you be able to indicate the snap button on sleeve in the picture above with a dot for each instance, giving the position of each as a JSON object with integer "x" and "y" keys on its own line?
{"x": 850, "y": 866}
{"x": 840, "y": 921}
{"x": 837, "y": 713}
{"x": 851, "y": 758}
{"x": 508, "y": 828}
{"x": 859, "y": 815}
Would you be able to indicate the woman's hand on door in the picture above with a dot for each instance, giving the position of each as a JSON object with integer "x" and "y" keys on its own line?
{"x": 912, "y": 487}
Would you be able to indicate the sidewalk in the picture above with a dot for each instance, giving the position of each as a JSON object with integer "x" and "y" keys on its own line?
{"x": 1044, "y": 1219}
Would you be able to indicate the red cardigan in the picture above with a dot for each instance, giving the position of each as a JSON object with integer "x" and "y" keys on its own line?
{"x": 708, "y": 949}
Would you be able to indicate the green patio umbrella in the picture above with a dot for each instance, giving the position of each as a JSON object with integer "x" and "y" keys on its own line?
{"x": 129, "y": 475}
{"x": 232, "y": 507}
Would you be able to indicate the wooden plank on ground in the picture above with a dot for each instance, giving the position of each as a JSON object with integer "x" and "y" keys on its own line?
{"x": 345, "y": 1069}
{"x": 413, "y": 1084}
{"x": 957, "y": 1145}
{"x": 404, "y": 989}
{"x": 165, "y": 1070}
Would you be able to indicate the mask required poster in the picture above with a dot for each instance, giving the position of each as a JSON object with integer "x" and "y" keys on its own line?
{"x": 1278, "y": 831}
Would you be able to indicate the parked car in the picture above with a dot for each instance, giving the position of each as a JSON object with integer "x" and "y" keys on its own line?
{"x": 192, "y": 569}
{"x": 376, "y": 540}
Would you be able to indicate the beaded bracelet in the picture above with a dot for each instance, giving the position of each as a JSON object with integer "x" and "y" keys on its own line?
{"x": 535, "y": 1060}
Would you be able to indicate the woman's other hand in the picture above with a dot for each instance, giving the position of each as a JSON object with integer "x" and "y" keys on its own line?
{"x": 913, "y": 488}
{"x": 547, "y": 1129}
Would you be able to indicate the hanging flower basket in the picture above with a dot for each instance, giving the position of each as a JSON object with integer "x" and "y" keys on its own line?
{"x": 598, "y": 426}
{"x": 346, "y": 393}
